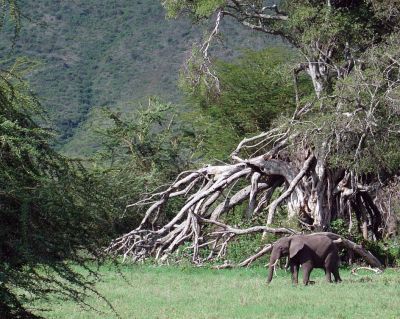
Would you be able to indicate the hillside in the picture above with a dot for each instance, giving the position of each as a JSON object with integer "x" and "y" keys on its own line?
{"x": 97, "y": 52}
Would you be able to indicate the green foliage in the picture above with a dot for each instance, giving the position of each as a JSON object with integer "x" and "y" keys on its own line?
{"x": 216, "y": 138}
{"x": 194, "y": 80}
{"x": 310, "y": 23}
{"x": 51, "y": 209}
{"x": 96, "y": 53}
{"x": 139, "y": 152}
{"x": 387, "y": 251}
{"x": 198, "y": 8}
{"x": 10, "y": 16}
{"x": 357, "y": 127}
{"x": 339, "y": 227}
{"x": 256, "y": 88}
{"x": 243, "y": 247}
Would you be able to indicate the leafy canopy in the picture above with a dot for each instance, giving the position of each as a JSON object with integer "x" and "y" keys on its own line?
{"x": 52, "y": 209}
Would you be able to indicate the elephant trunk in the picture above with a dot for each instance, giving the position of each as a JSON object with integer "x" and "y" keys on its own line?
{"x": 272, "y": 263}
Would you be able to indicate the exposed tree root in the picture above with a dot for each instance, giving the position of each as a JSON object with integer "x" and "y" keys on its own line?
{"x": 312, "y": 193}
{"x": 198, "y": 220}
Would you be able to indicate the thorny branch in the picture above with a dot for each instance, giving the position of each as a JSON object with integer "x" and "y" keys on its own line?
{"x": 198, "y": 69}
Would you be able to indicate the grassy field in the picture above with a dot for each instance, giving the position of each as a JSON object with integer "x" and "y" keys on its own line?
{"x": 167, "y": 292}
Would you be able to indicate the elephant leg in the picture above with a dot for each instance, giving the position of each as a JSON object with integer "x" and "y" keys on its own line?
{"x": 336, "y": 275}
{"x": 294, "y": 269}
{"x": 331, "y": 266}
{"x": 307, "y": 268}
{"x": 328, "y": 275}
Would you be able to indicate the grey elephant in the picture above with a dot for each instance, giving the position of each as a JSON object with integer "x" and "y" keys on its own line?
{"x": 309, "y": 251}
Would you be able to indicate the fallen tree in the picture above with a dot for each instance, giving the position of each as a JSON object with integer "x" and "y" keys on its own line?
{"x": 208, "y": 193}
{"x": 331, "y": 159}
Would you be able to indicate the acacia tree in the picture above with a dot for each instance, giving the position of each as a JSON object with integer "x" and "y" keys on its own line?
{"x": 329, "y": 159}
{"x": 53, "y": 213}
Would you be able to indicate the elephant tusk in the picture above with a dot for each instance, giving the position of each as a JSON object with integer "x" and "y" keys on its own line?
{"x": 274, "y": 264}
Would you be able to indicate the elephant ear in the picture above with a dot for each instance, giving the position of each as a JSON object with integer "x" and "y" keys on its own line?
{"x": 295, "y": 246}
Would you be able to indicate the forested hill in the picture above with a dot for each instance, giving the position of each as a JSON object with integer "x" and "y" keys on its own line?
{"x": 100, "y": 52}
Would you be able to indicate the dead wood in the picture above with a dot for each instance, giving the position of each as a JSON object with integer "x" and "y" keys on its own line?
{"x": 375, "y": 270}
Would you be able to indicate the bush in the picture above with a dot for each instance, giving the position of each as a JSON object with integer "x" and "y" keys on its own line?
{"x": 387, "y": 251}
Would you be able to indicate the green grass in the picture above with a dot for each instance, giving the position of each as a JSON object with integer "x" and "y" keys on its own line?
{"x": 168, "y": 292}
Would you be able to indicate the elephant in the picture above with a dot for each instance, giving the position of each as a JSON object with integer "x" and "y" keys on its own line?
{"x": 309, "y": 251}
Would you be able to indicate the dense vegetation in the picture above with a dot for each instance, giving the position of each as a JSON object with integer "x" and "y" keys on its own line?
{"x": 55, "y": 213}
{"x": 313, "y": 125}
{"x": 52, "y": 209}
{"x": 326, "y": 149}
{"x": 93, "y": 53}
{"x": 101, "y": 53}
